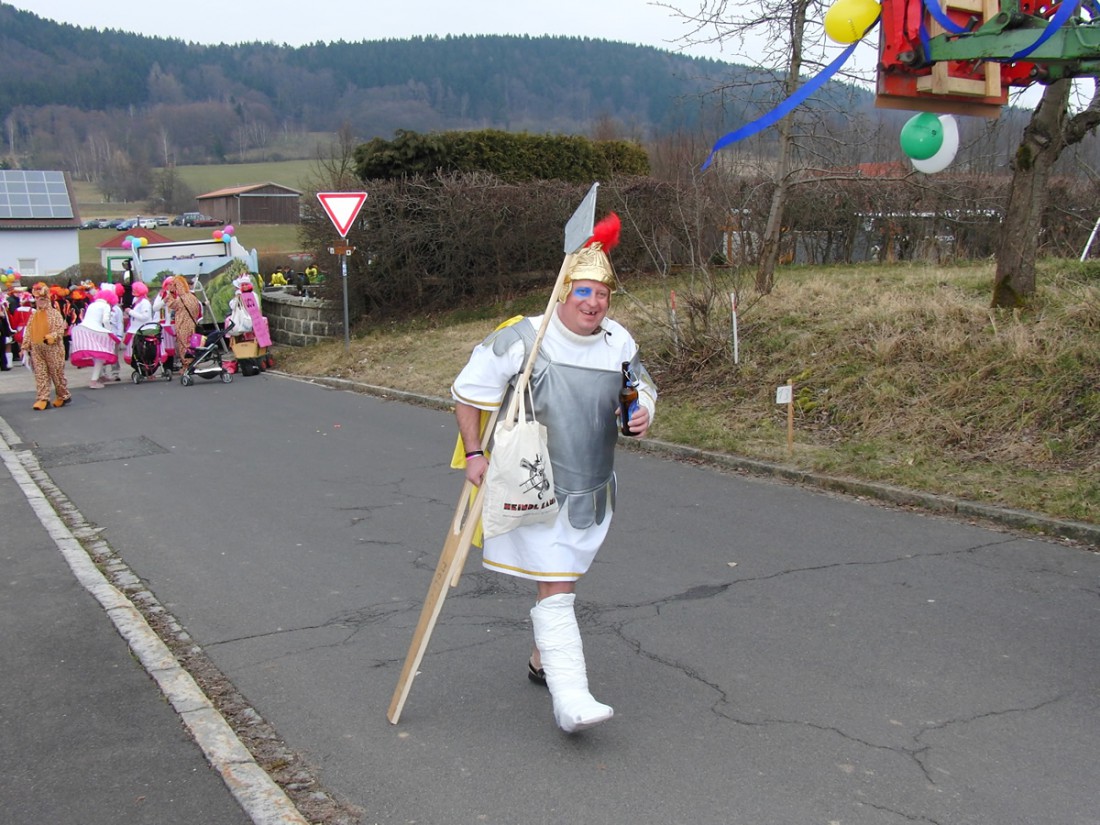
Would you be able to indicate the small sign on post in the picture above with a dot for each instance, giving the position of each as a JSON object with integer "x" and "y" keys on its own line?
{"x": 342, "y": 209}
{"x": 785, "y": 395}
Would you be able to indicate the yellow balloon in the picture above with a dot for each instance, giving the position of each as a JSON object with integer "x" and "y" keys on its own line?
{"x": 847, "y": 21}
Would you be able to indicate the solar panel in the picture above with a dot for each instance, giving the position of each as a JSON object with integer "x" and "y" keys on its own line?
{"x": 26, "y": 194}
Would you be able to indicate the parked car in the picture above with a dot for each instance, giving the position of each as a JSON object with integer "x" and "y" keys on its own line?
{"x": 206, "y": 220}
{"x": 190, "y": 217}
{"x": 92, "y": 224}
{"x": 147, "y": 223}
{"x": 109, "y": 223}
{"x": 129, "y": 223}
{"x": 162, "y": 220}
{"x": 179, "y": 220}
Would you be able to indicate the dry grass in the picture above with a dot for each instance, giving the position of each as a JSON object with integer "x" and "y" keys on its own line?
{"x": 902, "y": 375}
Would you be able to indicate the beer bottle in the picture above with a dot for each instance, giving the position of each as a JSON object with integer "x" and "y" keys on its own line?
{"x": 628, "y": 398}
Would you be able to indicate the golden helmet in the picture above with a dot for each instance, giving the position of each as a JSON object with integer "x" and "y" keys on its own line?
{"x": 592, "y": 262}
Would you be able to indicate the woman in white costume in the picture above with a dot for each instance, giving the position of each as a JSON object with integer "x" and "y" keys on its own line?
{"x": 141, "y": 313}
{"x": 575, "y": 385}
{"x": 94, "y": 341}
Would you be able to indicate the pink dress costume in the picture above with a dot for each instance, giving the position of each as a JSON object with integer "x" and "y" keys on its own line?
{"x": 93, "y": 343}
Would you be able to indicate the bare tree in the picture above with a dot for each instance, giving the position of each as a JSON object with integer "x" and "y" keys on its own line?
{"x": 785, "y": 38}
{"x": 1051, "y": 130}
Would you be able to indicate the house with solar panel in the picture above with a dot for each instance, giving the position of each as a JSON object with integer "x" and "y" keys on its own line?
{"x": 38, "y": 223}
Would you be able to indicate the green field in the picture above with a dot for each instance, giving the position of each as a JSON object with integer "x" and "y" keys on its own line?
{"x": 205, "y": 179}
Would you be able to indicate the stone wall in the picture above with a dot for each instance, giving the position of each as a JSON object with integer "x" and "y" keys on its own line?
{"x": 300, "y": 321}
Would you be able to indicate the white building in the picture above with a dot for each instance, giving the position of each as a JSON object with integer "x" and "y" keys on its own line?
{"x": 38, "y": 223}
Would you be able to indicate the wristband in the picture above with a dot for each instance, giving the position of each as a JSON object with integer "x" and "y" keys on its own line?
{"x": 472, "y": 453}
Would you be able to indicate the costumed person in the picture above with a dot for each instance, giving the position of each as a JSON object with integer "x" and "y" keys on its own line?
{"x": 163, "y": 315}
{"x": 60, "y": 296}
{"x": 93, "y": 342}
{"x": 575, "y": 387}
{"x": 5, "y": 335}
{"x": 186, "y": 312}
{"x": 74, "y": 312}
{"x": 141, "y": 313}
{"x": 111, "y": 372}
{"x": 43, "y": 340}
{"x": 126, "y": 280}
{"x": 20, "y": 304}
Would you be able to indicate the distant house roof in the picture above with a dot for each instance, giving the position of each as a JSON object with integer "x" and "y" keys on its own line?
{"x": 243, "y": 190}
{"x": 115, "y": 242}
{"x": 33, "y": 199}
{"x": 881, "y": 169}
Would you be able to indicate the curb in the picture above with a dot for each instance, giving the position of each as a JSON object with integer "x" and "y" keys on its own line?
{"x": 1023, "y": 521}
{"x": 256, "y": 792}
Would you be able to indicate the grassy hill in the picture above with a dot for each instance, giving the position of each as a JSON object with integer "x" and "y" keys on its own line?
{"x": 903, "y": 375}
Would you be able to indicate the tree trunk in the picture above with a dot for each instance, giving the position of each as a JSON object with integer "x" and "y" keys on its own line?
{"x": 1042, "y": 143}
{"x": 769, "y": 248}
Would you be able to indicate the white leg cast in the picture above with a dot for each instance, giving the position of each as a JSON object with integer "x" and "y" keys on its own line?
{"x": 559, "y": 642}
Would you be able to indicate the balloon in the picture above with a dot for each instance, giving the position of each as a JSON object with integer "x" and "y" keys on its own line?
{"x": 921, "y": 136}
{"x": 847, "y": 21}
{"x": 217, "y": 234}
{"x": 229, "y": 229}
{"x": 943, "y": 158}
{"x": 144, "y": 242}
{"x": 128, "y": 243}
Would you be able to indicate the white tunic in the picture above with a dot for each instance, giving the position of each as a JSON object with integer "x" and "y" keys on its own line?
{"x": 557, "y": 551}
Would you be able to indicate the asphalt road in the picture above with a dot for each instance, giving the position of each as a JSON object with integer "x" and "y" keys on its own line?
{"x": 774, "y": 655}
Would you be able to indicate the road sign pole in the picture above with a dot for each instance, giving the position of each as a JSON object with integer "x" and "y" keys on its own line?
{"x": 344, "y": 280}
{"x": 342, "y": 208}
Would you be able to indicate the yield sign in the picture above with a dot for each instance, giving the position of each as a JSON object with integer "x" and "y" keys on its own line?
{"x": 342, "y": 207}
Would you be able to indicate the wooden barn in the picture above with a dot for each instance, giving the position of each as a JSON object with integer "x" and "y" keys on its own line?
{"x": 256, "y": 203}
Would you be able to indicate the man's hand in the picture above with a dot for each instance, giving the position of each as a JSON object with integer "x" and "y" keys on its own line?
{"x": 639, "y": 422}
{"x": 476, "y": 468}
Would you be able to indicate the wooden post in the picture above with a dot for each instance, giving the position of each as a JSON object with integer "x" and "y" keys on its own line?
{"x": 790, "y": 421}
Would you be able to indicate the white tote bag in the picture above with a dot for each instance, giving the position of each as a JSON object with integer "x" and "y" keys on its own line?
{"x": 519, "y": 485}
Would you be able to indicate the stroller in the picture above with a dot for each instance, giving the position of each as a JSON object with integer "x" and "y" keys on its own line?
{"x": 207, "y": 358}
{"x": 147, "y": 354}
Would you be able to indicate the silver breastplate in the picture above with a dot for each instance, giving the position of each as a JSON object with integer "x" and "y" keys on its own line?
{"x": 577, "y": 406}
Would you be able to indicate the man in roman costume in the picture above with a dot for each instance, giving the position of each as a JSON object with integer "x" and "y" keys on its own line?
{"x": 575, "y": 384}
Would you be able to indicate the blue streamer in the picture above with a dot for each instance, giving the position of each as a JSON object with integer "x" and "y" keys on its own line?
{"x": 940, "y": 16}
{"x": 784, "y": 108}
{"x": 1061, "y": 17}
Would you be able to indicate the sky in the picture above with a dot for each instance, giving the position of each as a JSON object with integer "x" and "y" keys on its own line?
{"x": 218, "y": 21}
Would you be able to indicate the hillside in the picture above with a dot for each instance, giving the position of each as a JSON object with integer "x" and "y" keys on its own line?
{"x": 212, "y": 100}
{"x": 903, "y": 376}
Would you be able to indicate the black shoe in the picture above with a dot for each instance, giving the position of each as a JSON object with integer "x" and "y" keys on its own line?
{"x": 536, "y": 674}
